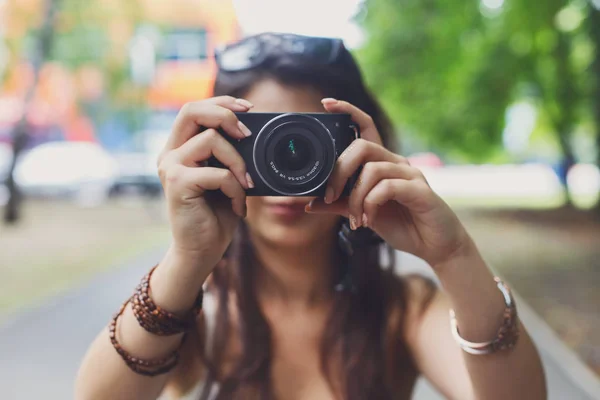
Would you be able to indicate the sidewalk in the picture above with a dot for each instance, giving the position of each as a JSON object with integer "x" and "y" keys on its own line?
{"x": 40, "y": 350}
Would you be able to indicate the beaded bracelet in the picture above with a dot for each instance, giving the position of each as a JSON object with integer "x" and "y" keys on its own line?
{"x": 156, "y": 320}
{"x": 137, "y": 365}
{"x": 507, "y": 335}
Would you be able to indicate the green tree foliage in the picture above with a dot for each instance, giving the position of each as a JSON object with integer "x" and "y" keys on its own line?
{"x": 75, "y": 34}
{"x": 447, "y": 69}
{"x": 93, "y": 34}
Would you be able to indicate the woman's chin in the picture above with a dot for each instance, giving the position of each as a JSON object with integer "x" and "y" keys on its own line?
{"x": 289, "y": 236}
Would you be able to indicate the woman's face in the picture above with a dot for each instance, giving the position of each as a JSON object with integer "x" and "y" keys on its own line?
{"x": 282, "y": 221}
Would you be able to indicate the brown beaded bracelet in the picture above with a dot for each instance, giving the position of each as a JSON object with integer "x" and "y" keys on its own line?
{"x": 137, "y": 365}
{"x": 156, "y": 320}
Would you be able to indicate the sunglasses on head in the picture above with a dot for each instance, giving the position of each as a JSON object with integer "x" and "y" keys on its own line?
{"x": 253, "y": 51}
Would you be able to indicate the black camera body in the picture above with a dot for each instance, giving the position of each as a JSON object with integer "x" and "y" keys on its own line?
{"x": 292, "y": 154}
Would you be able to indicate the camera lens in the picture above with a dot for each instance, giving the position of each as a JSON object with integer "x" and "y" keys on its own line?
{"x": 293, "y": 153}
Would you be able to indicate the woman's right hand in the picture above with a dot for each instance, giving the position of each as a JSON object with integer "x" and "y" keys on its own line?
{"x": 200, "y": 224}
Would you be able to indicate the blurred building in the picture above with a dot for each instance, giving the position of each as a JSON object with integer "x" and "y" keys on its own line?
{"x": 165, "y": 46}
{"x": 185, "y": 68}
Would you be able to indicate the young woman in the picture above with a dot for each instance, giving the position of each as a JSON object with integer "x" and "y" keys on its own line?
{"x": 300, "y": 314}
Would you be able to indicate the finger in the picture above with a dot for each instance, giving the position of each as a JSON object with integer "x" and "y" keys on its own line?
{"x": 318, "y": 206}
{"x": 371, "y": 175}
{"x": 358, "y": 153}
{"x": 368, "y": 130}
{"x": 210, "y": 143}
{"x": 212, "y": 113}
{"x": 413, "y": 194}
{"x": 189, "y": 183}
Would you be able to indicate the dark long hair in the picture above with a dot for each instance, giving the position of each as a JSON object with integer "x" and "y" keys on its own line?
{"x": 362, "y": 345}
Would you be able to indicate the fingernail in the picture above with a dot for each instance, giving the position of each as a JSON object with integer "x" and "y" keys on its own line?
{"x": 329, "y": 100}
{"x": 245, "y": 131}
{"x": 358, "y": 222}
{"x": 365, "y": 220}
{"x": 249, "y": 180}
{"x": 329, "y": 195}
{"x": 352, "y": 222}
{"x": 308, "y": 208}
{"x": 244, "y": 103}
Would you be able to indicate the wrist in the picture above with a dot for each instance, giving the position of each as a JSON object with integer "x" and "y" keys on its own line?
{"x": 472, "y": 292}
{"x": 466, "y": 252}
{"x": 178, "y": 279}
{"x": 193, "y": 263}
{"x": 185, "y": 256}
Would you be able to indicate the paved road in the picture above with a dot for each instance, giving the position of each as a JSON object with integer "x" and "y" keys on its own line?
{"x": 40, "y": 350}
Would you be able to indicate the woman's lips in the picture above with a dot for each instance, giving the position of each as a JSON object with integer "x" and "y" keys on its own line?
{"x": 287, "y": 210}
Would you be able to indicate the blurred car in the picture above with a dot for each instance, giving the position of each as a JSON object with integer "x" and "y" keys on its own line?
{"x": 137, "y": 170}
{"x": 136, "y": 174}
{"x": 67, "y": 169}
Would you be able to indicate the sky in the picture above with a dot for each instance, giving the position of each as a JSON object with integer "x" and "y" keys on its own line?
{"x": 307, "y": 17}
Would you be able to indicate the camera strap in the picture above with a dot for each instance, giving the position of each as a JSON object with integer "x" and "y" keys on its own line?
{"x": 349, "y": 241}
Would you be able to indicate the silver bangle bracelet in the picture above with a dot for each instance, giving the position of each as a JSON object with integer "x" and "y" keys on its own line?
{"x": 507, "y": 335}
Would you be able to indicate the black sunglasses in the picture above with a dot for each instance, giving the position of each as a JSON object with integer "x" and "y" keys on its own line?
{"x": 253, "y": 51}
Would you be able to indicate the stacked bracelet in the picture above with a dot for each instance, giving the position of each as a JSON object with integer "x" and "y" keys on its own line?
{"x": 137, "y": 365}
{"x": 154, "y": 320}
{"x": 507, "y": 335}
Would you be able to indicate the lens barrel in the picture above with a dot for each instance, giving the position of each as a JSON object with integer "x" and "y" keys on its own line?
{"x": 294, "y": 154}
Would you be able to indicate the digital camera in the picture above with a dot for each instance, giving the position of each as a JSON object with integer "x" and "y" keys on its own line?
{"x": 292, "y": 154}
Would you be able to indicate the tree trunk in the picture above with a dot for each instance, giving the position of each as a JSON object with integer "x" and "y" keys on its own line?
{"x": 565, "y": 118}
{"x": 566, "y": 163}
{"x": 20, "y": 132}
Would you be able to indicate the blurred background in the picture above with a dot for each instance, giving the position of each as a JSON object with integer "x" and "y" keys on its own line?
{"x": 498, "y": 101}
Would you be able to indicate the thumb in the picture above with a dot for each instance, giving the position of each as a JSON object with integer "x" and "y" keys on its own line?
{"x": 318, "y": 206}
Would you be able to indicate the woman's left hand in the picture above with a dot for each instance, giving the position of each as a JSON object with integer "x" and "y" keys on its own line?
{"x": 390, "y": 197}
